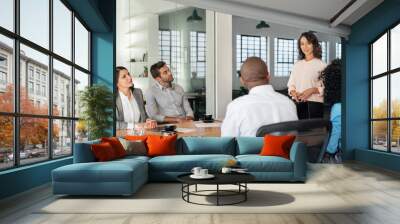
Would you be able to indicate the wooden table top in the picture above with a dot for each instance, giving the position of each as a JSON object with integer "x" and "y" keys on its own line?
{"x": 186, "y": 128}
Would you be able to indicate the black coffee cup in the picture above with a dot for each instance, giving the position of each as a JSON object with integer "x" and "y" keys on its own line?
{"x": 207, "y": 117}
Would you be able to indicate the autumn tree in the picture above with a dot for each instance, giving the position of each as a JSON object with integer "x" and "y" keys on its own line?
{"x": 33, "y": 130}
{"x": 380, "y": 127}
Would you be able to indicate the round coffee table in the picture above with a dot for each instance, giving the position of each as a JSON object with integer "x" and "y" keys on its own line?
{"x": 238, "y": 179}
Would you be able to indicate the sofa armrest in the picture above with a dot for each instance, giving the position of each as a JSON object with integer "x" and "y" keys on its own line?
{"x": 298, "y": 155}
{"x": 83, "y": 152}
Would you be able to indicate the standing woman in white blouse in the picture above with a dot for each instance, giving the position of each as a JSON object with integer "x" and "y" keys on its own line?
{"x": 129, "y": 101}
{"x": 304, "y": 85}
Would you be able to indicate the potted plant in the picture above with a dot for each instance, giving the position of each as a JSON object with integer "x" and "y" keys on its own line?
{"x": 145, "y": 71}
{"x": 96, "y": 102}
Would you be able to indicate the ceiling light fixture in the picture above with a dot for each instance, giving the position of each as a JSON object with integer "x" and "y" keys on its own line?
{"x": 194, "y": 17}
{"x": 262, "y": 24}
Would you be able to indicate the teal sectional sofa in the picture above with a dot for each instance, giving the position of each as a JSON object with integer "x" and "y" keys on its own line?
{"x": 125, "y": 176}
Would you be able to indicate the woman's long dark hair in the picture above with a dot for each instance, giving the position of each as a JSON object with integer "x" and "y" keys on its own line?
{"x": 311, "y": 38}
{"x": 117, "y": 70}
{"x": 331, "y": 77}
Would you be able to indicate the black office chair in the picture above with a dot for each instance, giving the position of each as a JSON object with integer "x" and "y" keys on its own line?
{"x": 313, "y": 132}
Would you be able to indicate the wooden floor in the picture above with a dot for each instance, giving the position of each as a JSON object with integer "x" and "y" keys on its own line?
{"x": 377, "y": 188}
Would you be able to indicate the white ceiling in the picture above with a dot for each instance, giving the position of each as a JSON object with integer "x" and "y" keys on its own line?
{"x": 319, "y": 9}
{"x": 307, "y": 14}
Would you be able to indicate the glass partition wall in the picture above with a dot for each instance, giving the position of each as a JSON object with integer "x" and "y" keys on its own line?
{"x": 158, "y": 30}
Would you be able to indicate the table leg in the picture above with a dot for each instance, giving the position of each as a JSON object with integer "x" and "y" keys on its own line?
{"x": 196, "y": 188}
{"x": 217, "y": 194}
{"x": 245, "y": 193}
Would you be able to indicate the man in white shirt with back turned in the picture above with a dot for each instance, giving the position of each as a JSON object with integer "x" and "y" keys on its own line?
{"x": 262, "y": 106}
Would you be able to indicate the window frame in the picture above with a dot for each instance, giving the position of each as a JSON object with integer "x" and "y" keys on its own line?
{"x": 196, "y": 63}
{"x": 276, "y": 56}
{"x": 173, "y": 63}
{"x": 16, "y": 115}
{"x": 240, "y": 50}
{"x": 338, "y": 50}
{"x": 388, "y": 74}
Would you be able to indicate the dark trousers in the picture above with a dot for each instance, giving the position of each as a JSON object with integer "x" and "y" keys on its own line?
{"x": 309, "y": 109}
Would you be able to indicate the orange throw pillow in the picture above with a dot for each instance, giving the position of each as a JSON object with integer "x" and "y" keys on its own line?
{"x": 161, "y": 145}
{"x": 103, "y": 152}
{"x": 136, "y": 137}
{"x": 116, "y": 145}
{"x": 277, "y": 145}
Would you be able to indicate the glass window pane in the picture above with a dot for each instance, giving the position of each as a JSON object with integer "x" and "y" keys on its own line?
{"x": 33, "y": 140}
{"x": 395, "y": 47}
{"x": 62, "y": 29}
{"x": 395, "y": 136}
{"x": 81, "y": 81}
{"x": 34, "y": 97}
{"x": 379, "y": 135}
{"x": 81, "y": 131}
{"x": 6, "y": 74}
{"x": 6, "y": 142}
{"x": 62, "y": 138}
{"x": 379, "y": 98}
{"x": 379, "y": 55}
{"x": 7, "y": 14}
{"x": 395, "y": 94}
{"x": 81, "y": 45}
{"x": 62, "y": 89}
{"x": 35, "y": 21}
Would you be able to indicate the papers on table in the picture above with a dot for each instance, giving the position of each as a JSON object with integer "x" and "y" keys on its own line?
{"x": 207, "y": 125}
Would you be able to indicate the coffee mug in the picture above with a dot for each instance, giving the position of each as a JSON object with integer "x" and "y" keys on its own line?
{"x": 196, "y": 171}
{"x": 207, "y": 117}
{"x": 226, "y": 170}
{"x": 203, "y": 172}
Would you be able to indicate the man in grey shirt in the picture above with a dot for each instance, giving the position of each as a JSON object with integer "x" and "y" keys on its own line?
{"x": 166, "y": 101}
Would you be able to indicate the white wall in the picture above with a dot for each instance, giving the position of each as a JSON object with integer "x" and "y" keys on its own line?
{"x": 248, "y": 26}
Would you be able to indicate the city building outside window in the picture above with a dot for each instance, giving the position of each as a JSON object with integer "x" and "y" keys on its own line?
{"x": 55, "y": 127}
{"x": 385, "y": 97}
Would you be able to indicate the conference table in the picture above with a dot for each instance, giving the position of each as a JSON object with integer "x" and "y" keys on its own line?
{"x": 184, "y": 129}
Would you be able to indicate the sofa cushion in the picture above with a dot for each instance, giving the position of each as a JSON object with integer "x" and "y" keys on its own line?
{"x": 185, "y": 163}
{"x": 257, "y": 163}
{"x": 134, "y": 147}
{"x": 277, "y": 145}
{"x": 116, "y": 145}
{"x": 249, "y": 145}
{"x": 206, "y": 145}
{"x": 103, "y": 152}
{"x": 161, "y": 145}
{"x": 112, "y": 171}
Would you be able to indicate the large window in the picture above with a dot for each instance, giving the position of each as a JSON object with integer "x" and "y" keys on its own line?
{"x": 286, "y": 54}
{"x": 248, "y": 46}
{"x": 170, "y": 50}
{"x": 325, "y": 51}
{"x": 338, "y": 50}
{"x": 385, "y": 96}
{"x": 198, "y": 54}
{"x": 37, "y": 66}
